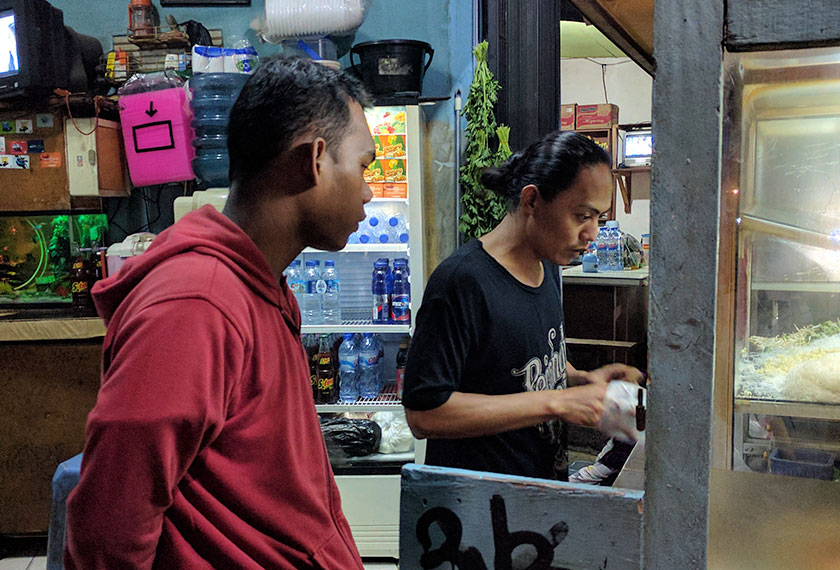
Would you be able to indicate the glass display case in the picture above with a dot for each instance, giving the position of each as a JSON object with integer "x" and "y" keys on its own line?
{"x": 778, "y": 339}
{"x": 36, "y": 253}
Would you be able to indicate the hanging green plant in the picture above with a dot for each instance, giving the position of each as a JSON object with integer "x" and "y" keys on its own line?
{"x": 481, "y": 210}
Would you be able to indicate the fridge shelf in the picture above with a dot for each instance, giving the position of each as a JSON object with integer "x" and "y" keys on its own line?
{"x": 365, "y": 248}
{"x": 355, "y": 326}
{"x": 390, "y": 200}
{"x": 387, "y": 401}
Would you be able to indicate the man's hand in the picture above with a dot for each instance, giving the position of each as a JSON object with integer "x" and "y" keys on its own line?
{"x": 582, "y": 405}
{"x": 615, "y": 371}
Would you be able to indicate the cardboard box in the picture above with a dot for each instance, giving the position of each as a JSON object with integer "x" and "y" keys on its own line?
{"x": 591, "y": 117}
{"x": 567, "y": 117}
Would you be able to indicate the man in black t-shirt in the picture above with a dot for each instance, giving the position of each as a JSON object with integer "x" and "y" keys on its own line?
{"x": 487, "y": 380}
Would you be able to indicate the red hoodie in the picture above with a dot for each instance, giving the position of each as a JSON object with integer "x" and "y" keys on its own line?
{"x": 204, "y": 448}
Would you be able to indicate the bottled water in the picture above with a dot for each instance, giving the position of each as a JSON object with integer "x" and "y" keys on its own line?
{"x": 615, "y": 255}
{"x": 379, "y": 289}
{"x": 401, "y": 298}
{"x": 368, "y": 367}
{"x": 315, "y": 286}
{"x": 601, "y": 249}
{"x": 348, "y": 364}
{"x": 380, "y": 350}
{"x": 397, "y": 229}
{"x": 365, "y": 235}
{"x": 330, "y": 301}
{"x": 294, "y": 277}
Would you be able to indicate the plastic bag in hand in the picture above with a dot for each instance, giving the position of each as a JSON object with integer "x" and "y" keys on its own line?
{"x": 619, "y": 417}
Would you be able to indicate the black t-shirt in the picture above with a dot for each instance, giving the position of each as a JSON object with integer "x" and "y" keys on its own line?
{"x": 479, "y": 330}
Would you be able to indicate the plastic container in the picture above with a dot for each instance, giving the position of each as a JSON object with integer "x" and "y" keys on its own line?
{"x": 157, "y": 135}
{"x": 392, "y": 66}
{"x": 379, "y": 289}
{"x": 368, "y": 376}
{"x": 311, "y": 309}
{"x": 212, "y": 169}
{"x": 65, "y": 479}
{"x": 590, "y": 263}
{"x": 348, "y": 364}
{"x": 615, "y": 255}
{"x": 401, "y": 297}
{"x": 809, "y": 463}
{"x": 331, "y": 300}
{"x": 227, "y": 85}
{"x": 294, "y": 278}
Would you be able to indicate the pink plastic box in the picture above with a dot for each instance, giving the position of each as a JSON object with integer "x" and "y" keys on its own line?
{"x": 157, "y": 133}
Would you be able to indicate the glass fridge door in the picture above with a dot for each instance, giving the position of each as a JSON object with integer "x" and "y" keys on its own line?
{"x": 781, "y": 211}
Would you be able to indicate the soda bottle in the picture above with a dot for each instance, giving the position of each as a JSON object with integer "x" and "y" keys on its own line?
{"x": 82, "y": 278}
{"x": 330, "y": 302}
{"x": 327, "y": 393}
{"x": 294, "y": 277}
{"x": 368, "y": 361}
{"x": 315, "y": 286}
{"x": 348, "y": 363}
{"x": 401, "y": 298}
{"x": 379, "y": 289}
{"x": 402, "y": 356}
{"x": 310, "y": 345}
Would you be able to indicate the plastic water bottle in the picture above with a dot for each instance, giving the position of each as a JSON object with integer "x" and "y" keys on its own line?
{"x": 601, "y": 249}
{"x": 294, "y": 277}
{"x": 397, "y": 229}
{"x": 311, "y": 309}
{"x": 330, "y": 302}
{"x": 348, "y": 364}
{"x": 615, "y": 257}
{"x": 379, "y": 289}
{"x": 368, "y": 367}
{"x": 401, "y": 298}
{"x": 380, "y": 350}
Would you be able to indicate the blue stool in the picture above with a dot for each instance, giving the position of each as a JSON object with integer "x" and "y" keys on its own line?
{"x": 66, "y": 477}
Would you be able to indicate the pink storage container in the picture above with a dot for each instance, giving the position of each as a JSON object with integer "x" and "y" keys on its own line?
{"x": 157, "y": 133}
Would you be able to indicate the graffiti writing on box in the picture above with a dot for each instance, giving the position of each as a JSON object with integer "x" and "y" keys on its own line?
{"x": 504, "y": 541}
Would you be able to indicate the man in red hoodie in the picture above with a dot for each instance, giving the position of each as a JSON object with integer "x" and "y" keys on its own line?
{"x": 204, "y": 449}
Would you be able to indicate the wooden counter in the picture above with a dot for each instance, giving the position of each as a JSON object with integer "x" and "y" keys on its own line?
{"x": 629, "y": 278}
{"x": 49, "y": 384}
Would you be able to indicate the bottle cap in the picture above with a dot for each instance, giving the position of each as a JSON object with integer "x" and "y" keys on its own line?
{"x": 348, "y": 336}
{"x": 311, "y": 262}
{"x": 329, "y": 263}
{"x": 612, "y": 224}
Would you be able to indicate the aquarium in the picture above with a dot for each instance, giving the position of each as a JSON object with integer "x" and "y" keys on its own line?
{"x": 36, "y": 254}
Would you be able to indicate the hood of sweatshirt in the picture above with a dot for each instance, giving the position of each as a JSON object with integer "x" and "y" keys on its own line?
{"x": 208, "y": 232}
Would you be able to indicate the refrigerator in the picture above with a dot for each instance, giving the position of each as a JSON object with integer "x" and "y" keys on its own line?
{"x": 370, "y": 485}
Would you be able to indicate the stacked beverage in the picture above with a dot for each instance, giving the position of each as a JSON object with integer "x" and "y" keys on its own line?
{"x": 213, "y": 96}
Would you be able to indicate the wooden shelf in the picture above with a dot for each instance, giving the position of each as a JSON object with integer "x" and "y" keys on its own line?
{"x": 631, "y": 170}
{"x": 624, "y": 178}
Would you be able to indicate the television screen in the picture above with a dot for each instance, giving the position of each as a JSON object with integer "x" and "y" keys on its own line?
{"x": 638, "y": 145}
{"x": 9, "y": 63}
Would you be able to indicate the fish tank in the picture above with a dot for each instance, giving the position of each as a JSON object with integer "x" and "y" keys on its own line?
{"x": 36, "y": 253}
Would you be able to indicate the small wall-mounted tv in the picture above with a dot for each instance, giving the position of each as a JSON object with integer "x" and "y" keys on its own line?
{"x": 638, "y": 148}
{"x": 34, "y": 48}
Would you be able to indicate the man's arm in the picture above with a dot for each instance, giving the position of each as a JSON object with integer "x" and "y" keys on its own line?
{"x": 163, "y": 399}
{"x": 474, "y": 415}
{"x": 608, "y": 373}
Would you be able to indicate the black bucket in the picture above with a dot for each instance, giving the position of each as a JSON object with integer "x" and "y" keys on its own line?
{"x": 392, "y": 66}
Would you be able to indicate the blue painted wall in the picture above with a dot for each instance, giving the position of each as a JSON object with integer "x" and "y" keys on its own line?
{"x": 445, "y": 24}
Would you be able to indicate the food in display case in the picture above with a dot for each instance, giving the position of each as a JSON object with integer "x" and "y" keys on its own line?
{"x": 801, "y": 366}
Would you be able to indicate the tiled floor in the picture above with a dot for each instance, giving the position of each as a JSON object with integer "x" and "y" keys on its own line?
{"x": 40, "y": 563}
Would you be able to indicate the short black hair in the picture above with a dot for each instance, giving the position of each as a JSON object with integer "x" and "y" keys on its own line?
{"x": 551, "y": 164}
{"x": 285, "y": 98}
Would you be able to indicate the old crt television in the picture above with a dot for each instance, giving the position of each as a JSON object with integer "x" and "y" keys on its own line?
{"x": 638, "y": 148}
{"x": 34, "y": 49}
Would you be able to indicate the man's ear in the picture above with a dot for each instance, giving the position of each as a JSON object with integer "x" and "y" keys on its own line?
{"x": 318, "y": 154}
{"x": 528, "y": 199}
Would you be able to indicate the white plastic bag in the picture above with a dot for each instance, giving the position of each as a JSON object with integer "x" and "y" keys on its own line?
{"x": 619, "y": 417}
{"x": 396, "y": 435}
